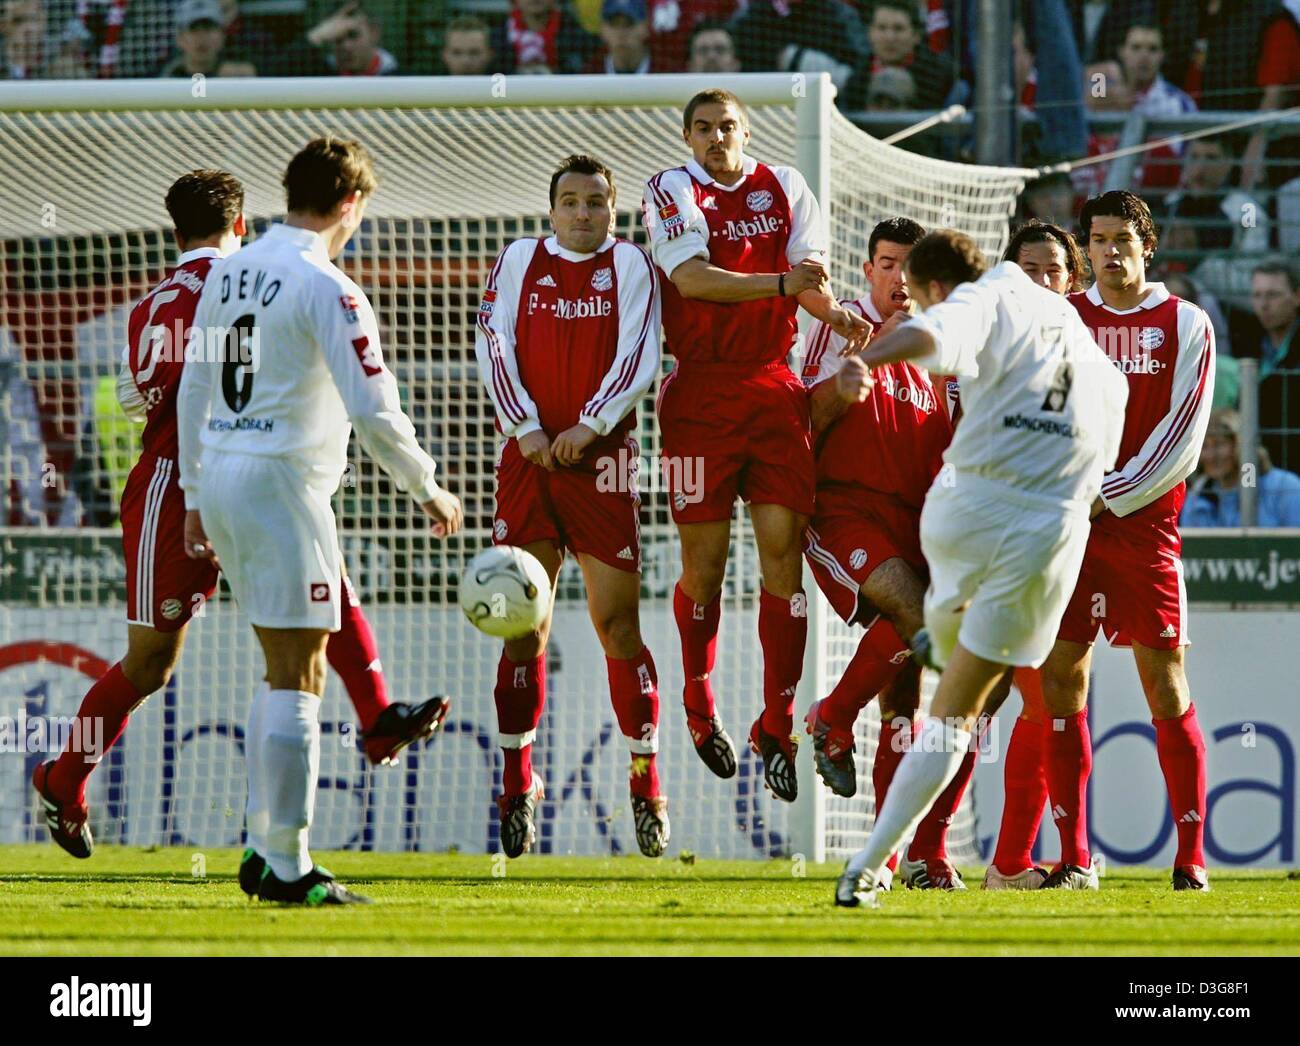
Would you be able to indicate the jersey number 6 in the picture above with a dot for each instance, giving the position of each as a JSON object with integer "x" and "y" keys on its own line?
{"x": 237, "y": 387}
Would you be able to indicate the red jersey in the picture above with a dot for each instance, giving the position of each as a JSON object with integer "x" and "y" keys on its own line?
{"x": 155, "y": 350}
{"x": 765, "y": 223}
{"x": 1165, "y": 348}
{"x": 565, "y": 338}
{"x": 893, "y": 442}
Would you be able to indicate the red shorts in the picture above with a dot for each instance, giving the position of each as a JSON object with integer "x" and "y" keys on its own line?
{"x": 569, "y": 508}
{"x": 1131, "y": 586}
{"x": 733, "y": 431}
{"x": 164, "y": 587}
{"x": 852, "y": 533}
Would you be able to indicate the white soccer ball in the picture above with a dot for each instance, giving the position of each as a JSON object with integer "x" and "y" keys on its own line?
{"x": 505, "y": 592}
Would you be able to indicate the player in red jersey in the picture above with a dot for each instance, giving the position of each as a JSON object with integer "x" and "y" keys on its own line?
{"x": 1131, "y": 582}
{"x": 877, "y": 455}
{"x": 164, "y": 586}
{"x": 743, "y": 246}
{"x": 568, "y": 342}
{"x": 1050, "y": 256}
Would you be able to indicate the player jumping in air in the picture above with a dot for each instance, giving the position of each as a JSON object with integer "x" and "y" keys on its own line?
{"x": 743, "y": 246}
{"x": 292, "y": 355}
{"x": 877, "y": 455}
{"x": 1042, "y": 413}
{"x": 164, "y": 586}
{"x": 1131, "y": 584}
{"x": 568, "y": 342}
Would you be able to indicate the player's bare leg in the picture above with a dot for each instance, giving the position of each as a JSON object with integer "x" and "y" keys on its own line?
{"x": 1024, "y": 787}
{"x": 697, "y": 607}
{"x": 894, "y": 589}
{"x": 783, "y": 633}
{"x": 942, "y": 744}
{"x": 520, "y": 695}
{"x": 283, "y": 756}
{"x": 613, "y": 600}
{"x": 1067, "y": 756}
{"x": 1180, "y": 747}
{"x": 150, "y": 659}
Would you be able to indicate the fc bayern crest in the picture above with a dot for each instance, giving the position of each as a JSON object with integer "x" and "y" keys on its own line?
{"x": 602, "y": 279}
{"x": 1151, "y": 338}
{"x": 759, "y": 201}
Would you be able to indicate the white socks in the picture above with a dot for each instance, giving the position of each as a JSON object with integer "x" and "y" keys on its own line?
{"x": 255, "y": 810}
{"x": 290, "y": 760}
{"x": 934, "y": 759}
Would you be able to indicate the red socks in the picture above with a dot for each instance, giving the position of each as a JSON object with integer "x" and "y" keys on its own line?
{"x": 634, "y": 690}
{"x": 931, "y": 838}
{"x": 1025, "y": 785}
{"x": 1181, "y": 750}
{"x": 353, "y": 653}
{"x": 782, "y": 632}
{"x": 519, "y": 695}
{"x": 895, "y": 741}
{"x": 1068, "y": 762}
{"x": 697, "y": 624}
{"x": 110, "y": 700}
{"x": 869, "y": 671}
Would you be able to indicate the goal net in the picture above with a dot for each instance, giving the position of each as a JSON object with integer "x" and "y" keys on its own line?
{"x": 464, "y": 169}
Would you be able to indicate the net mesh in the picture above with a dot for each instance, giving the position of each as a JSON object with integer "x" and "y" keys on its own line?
{"x": 84, "y": 233}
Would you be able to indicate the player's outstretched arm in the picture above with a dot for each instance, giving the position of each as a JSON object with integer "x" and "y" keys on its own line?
{"x": 348, "y": 335}
{"x": 908, "y": 342}
{"x": 194, "y": 397}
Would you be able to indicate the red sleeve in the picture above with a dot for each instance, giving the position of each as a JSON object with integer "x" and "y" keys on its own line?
{"x": 1279, "y": 58}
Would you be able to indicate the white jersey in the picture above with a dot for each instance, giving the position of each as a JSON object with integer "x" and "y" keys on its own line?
{"x": 1042, "y": 405}
{"x": 303, "y": 353}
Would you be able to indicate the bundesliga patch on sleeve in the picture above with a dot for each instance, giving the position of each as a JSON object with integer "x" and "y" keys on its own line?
{"x": 673, "y": 222}
{"x": 488, "y": 303}
{"x": 350, "y": 307}
{"x": 810, "y": 371}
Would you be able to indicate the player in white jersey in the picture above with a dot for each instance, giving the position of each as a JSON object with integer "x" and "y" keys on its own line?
{"x": 1007, "y": 519}
{"x": 284, "y": 351}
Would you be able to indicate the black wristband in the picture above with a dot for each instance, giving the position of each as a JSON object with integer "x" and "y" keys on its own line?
{"x": 780, "y": 285}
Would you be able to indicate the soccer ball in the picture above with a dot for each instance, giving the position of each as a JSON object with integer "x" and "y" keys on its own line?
{"x": 505, "y": 592}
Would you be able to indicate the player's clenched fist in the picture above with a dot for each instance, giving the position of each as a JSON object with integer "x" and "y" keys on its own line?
{"x": 808, "y": 275}
{"x": 197, "y": 545}
{"x": 570, "y": 444}
{"x": 853, "y": 328}
{"x": 536, "y": 447}
{"x": 445, "y": 510}
{"x": 853, "y": 380}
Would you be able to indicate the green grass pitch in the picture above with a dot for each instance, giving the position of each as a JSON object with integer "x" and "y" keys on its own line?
{"x": 127, "y": 901}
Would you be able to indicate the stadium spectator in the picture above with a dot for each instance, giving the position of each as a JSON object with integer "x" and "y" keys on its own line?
{"x": 1274, "y": 339}
{"x": 467, "y": 47}
{"x": 1205, "y": 212}
{"x": 1141, "y": 58}
{"x": 542, "y": 36}
{"x": 625, "y": 33}
{"x": 894, "y": 41}
{"x": 115, "y": 38}
{"x": 802, "y": 36}
{"x": 1098, "y": 27}
{"x": 673, "y": 24}
{"x": 1214, "y": 499}
{"x": 245, "y": 42}
{"x": 712, "y": 50}
{"x": 30, "y": 51}
{"x": 346, "y": 43}
{"x": 1050, "y": 199}
{"x": 201, "y": 40}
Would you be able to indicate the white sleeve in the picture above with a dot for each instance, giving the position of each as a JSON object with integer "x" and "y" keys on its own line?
{"x": 1095, "y": 368}
{"x": 823, "y": 359}
{"x": 194, "y": 397}
{"x": 1170, "y": 452}
{"x": 494, "y": 341}
{"x": 808, "y": 236}
{"x": 637, "y": 360}
{"x": 677, "y": 228}
{"x": 349, "y": 341}
{"x": 960, "y": 326}
{"x": 128, "y": 392}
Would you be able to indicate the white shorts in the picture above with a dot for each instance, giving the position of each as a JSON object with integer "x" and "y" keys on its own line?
{"x": 276, "y": 539}
{"x": 1002, "y": 570}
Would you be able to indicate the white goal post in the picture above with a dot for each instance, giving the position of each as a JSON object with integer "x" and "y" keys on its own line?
{"x": 463, "y": 166}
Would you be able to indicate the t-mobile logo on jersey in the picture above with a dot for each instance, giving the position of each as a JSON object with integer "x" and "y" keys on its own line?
{"x": 762, "y": 225}
{"x": 1131, "y": 348}
{"x": 572, "y": 309}
{"x": 921, "y": 398}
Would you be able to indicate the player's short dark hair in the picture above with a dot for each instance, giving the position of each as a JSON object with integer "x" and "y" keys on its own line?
{"x": 904, "y": 6}
{"x": 1120, "y": 203}
{"x": 1035, "y": 231}
{"x": 1279, "y": 267}
{"x": 715, "y": 95}
{"x": 945, "y": 255}
{"x": 204, "y": 203}
{"x": 581, "y": 163}
{"x": 325, "y": 170}
{"x": 899, "y": 230}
